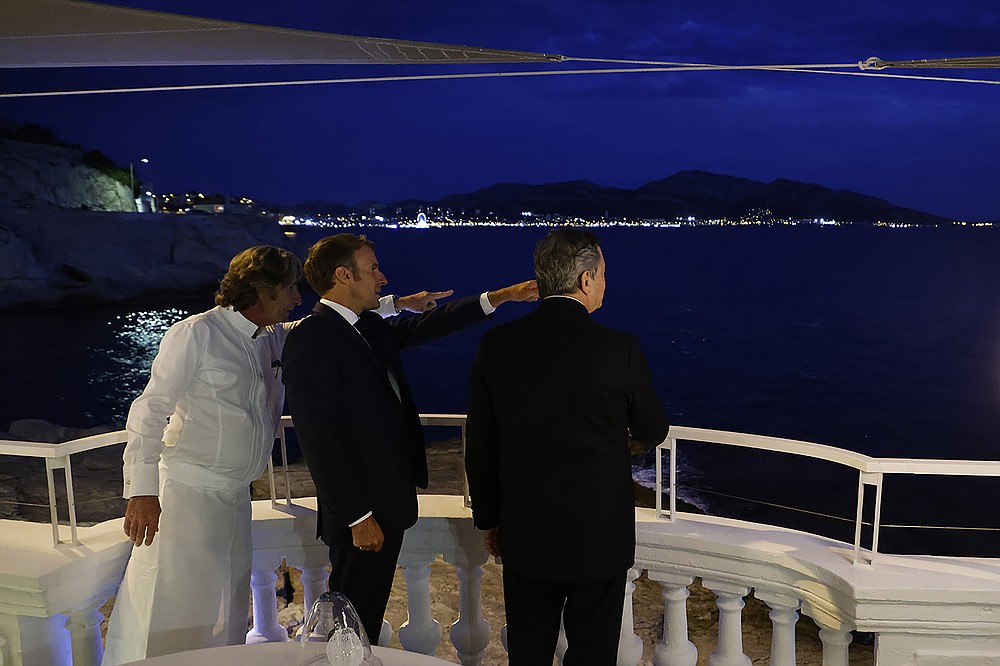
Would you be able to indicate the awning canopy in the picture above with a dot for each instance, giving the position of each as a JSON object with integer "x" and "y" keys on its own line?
{"x": 70, "y": 33}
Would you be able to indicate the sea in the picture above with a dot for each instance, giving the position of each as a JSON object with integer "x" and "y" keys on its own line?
{"x": 880, "y": 340}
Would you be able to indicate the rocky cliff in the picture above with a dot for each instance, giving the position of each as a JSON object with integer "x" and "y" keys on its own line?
{"x": 41, "y": 176}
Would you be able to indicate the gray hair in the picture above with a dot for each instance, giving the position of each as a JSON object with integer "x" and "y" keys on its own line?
{"x": 562, "y": 257}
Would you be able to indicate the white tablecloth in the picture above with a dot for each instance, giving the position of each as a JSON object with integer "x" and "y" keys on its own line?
{"x": 281, "y": 654}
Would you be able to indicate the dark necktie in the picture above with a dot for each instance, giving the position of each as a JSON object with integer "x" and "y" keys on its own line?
{"x": 388, "y": 371}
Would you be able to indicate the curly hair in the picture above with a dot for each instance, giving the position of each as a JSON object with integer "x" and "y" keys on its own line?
{"x": 562, "y": 257}
{"x": 261, "y": 267}
{"x": 330, "y": 253}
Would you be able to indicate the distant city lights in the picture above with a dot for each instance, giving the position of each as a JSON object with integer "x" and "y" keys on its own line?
{"x": 434, "y": 217}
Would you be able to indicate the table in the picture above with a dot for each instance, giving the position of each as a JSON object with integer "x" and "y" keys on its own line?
{"x": 281, "y": 654}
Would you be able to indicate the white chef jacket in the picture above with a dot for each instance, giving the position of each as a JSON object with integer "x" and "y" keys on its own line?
{"x": 212, "y": 404}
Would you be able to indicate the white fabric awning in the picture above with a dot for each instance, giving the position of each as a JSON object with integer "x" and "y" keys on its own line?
{"x": 70, "y": 33}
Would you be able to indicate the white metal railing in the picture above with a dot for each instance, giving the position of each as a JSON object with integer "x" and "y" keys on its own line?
{"x": 910, "y": 602}
{"x": 426, "y": 420}
{"x": 57, "y": 456}
{"x": 871, "y": 471}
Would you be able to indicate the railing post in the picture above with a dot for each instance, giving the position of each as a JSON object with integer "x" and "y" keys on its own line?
{"x": 470, "y": 634}
{"x": 671, "y": 445}
{"x": 53, "y": 513}
{"x": 421, "y": 632}
{"x": 629, "y": 644}
{"x": 729, "y": 599}
{"x": 784, "y": 614}
{"x": 675, "y": 649}
{"x": 836, "y": 645}
{"x": 834, "y": 634}
{"x": 869, "y": 479}
{"x": 266, "y": 628}
{"x": 84, "y": 626}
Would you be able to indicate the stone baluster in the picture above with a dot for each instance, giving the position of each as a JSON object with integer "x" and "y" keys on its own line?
{"x": 421, "y": 632}
{"x": 314, "y": 577}
{"x": 470, "y": 634}
{"x": 833, "y": 633}
{"x": 675, "y": 649}
{"x": 265, "y": 607}
{"x": 629, "y": 644}
{"x": 836, "y": 644}
{"x": 84, "y": 625}
{"x": 729, "y": 599}
{"x": 784, "y": 614}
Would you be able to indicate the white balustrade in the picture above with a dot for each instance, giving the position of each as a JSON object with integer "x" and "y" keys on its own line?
{"x": 835, "y": 646}
{"x": 675, "y": 649}
{"x": 314, "y": 575}
{"x": 84, "y": 626}
{"x": 629, "y": 644}
{"x": 784, "y": 614}
{"x": 266, "y": 628}
{"x": 729, "y": 599}
{"x": 920, "y": 608}
{"x": 470, "y": 634}
{"x": 421, "y": 632}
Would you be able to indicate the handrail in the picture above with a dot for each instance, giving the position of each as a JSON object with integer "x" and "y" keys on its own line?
{"x": 870, "y": 469}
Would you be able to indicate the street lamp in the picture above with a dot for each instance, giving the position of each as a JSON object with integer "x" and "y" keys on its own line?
{"x": 131, "y": 177}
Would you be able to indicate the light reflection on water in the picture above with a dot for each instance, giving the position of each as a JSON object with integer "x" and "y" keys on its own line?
{"x": 122, "y": 367}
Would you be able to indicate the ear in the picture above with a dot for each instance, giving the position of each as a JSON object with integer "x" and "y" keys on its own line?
{"x": 585, "y": 281}
{"x": 342, "y": 274}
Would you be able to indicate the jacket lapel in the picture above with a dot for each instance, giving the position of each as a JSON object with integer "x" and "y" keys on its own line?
{"x": 358, "y": 340}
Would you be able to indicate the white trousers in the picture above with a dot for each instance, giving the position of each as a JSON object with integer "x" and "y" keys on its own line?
{"x": 191, "y": 588}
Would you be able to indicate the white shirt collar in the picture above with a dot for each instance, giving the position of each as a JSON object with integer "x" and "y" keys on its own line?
{"x": 241, "y": 323}
{"x": 345, "y": 312}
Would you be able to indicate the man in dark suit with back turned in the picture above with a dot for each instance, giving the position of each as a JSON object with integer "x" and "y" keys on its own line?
{"x": 355, "y": 417}
{"x": 554, "y": 399}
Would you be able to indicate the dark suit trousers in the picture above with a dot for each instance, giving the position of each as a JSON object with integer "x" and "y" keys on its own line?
{"x": 591, "y": 614}
{"x": 365, "y": 577}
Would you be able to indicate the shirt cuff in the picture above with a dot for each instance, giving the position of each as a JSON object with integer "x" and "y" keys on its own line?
{"x": 386, "y": 307}
{"x": 141, "y": 480}
{"x": 484, "y": 302}
{"x": 361, "y": 519}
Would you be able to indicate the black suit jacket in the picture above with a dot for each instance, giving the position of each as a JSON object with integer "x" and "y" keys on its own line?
{"x": 553, "y": 399}
{"x": 363, "y": 444}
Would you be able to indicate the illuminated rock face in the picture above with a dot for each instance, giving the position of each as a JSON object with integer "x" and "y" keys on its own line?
{"x": 37, "y": 176}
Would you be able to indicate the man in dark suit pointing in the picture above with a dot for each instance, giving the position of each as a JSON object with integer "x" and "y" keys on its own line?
{"x": 553, "y": 402}
{"x": 354, "y": 415}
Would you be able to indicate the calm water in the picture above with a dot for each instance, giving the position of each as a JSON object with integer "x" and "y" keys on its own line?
{"x": 884, "y": 341}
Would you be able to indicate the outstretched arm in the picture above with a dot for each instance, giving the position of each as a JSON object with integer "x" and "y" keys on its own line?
{"x": 422, "y": 301}
{"x": 522, "y": 291}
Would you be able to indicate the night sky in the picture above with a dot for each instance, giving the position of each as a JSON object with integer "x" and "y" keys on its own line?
{"x": 932, "y": 146}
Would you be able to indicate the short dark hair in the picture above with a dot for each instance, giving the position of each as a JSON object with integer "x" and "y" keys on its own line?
{"x": 562, "y": 257}
{"x": 330, "y": 253}
{"x": 256, "y": 268}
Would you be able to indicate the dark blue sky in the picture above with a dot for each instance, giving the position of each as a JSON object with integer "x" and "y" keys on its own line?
{"x": 928, "y": 145}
